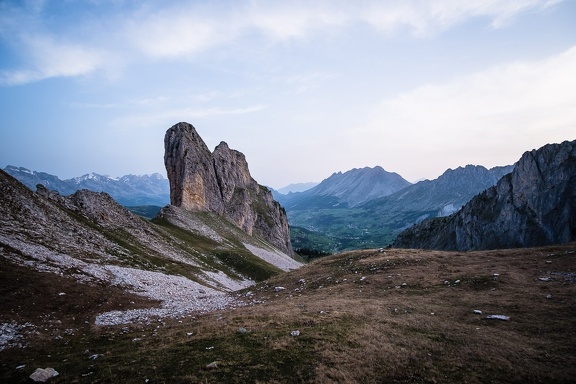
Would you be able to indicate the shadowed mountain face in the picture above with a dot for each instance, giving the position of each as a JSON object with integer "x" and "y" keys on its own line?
{"x": 220, "y": 182}
{"x": 442, "y": 196}
{"x": 534, "y": 205}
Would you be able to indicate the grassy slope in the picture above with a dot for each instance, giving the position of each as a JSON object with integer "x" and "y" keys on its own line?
{"x": 232, "y": 258}
{"x": 358, "y": 323}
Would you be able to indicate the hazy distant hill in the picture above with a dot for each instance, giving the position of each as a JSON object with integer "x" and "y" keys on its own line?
{"x": 129, "y": 190}
{"x": 296, "y": 187}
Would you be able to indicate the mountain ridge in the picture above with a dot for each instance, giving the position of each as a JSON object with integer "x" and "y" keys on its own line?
{"x": 445, "y": 194}
{"x": 376, "y": 222}
{"x": 346, "y": 189}
{"x": 128, "y": 190}
{"x": 533, "y": 205}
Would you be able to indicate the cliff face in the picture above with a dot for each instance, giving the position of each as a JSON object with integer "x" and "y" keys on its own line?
{"x": 220, "y": 182}
{"x": 534, "y": 205}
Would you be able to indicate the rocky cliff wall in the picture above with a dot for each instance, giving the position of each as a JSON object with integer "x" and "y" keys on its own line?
{"x": 534, "y": 205}
{"x": 220, "y": 182}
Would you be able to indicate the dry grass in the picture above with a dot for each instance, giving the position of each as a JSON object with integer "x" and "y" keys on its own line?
{"x": 359, "y": 323}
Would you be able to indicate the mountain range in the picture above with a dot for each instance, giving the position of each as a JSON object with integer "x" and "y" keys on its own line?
{"x": 345, "y": 190}
{"x": 296, "y": 187}
{"x": 360, "y": 208}
{"x": 365, "y": 212}
{"x": 128, "y": 190}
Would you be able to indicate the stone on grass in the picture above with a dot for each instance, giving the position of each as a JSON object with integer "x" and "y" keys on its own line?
{"x": 42, "y": 375}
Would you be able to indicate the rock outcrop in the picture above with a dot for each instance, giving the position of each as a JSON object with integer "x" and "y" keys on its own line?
{"x": 534, "y": 205}
{"x": 220, "y": 182}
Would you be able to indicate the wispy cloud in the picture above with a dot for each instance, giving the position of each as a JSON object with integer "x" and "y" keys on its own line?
{"x": 50, "y": 58}
{"x": 431, "y": 17}
{"x": 505, "y": 108}
{"x": 185, "y": 29}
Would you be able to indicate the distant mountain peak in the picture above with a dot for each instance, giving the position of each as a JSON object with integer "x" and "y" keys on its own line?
{"x": 296, "y": 187}
{"x": 347, "y": 189}
{"x": 128, "y": 190}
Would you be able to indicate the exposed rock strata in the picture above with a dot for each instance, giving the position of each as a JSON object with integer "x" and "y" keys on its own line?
{"x": 220, "y": 182}
{"x": 534, "y": 205}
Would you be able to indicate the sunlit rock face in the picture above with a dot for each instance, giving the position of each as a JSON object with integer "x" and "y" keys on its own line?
{"x": 190, "y": 169}
{"x": 220, "y": 182}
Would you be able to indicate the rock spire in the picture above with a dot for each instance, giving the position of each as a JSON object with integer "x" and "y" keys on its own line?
{"x": 220, "y": 182}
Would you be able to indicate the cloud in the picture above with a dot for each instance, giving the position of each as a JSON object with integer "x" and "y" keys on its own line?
{"x": 509, "y": 108}
{"x": 188, "y": 30}
{"x": 60, "y": 46}
{"x": 428, "y": 18}
{"x": 50, "y": 58}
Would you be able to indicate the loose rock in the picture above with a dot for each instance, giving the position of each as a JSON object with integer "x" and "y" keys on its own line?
{"x": 42, "y": 375}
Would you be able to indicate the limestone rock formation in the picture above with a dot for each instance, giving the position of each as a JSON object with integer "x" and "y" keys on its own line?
{"x": 220, "y": 182}
{"x": 534, "y": 205}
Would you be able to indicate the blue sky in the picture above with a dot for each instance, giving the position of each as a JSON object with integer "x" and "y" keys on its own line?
{"x": 302, "y": 88}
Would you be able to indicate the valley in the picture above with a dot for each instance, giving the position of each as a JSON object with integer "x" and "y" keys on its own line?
{"x": 211, "y": 289}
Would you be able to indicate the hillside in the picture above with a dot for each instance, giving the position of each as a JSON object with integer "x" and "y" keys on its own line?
{"x": 176, "y": 260}
{"x": 534, "y": 205}
{"x": 400, "y": 316}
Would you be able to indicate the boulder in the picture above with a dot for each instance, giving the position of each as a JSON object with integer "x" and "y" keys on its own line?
{"x": 42, "y": 375}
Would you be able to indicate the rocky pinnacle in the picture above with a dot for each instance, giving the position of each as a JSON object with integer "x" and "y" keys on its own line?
{"x": 220, "y": 182}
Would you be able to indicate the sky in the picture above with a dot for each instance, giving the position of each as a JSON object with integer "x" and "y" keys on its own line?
{"x": 302, "y": 88}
